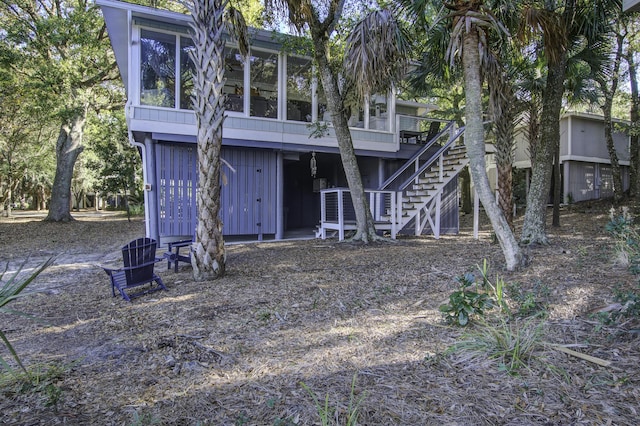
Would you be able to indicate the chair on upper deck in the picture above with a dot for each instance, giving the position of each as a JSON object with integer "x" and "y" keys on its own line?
{"x": 139, "y": 257}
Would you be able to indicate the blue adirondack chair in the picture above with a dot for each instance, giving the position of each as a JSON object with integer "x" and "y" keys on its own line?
{"x": 139, "y": 257}
{"x": 173, "y": 253}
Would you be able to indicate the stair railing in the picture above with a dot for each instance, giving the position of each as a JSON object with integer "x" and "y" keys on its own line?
{"x": 438, "y": 155}
{"x": 415, "y": 161}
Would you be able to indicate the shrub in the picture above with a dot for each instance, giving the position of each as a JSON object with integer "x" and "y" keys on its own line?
{"x": 470, "y": 299}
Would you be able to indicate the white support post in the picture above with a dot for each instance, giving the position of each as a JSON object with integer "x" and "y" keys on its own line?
{"x": 436, "y": 230}
{"x": 323, "y": 214}
{"x": 340, "y": 215}
{"x": 394, "y": 225}
{"x": 441, "y": 168}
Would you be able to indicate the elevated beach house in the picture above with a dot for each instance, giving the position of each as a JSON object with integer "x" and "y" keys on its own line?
{"x": 278, "y": 178}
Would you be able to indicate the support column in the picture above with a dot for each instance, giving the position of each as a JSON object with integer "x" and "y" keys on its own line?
{"x": 279, "y": 196}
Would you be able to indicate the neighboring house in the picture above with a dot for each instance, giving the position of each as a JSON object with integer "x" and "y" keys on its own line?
{"x": 586, "y": 167}
{"x": 279, "y": 178}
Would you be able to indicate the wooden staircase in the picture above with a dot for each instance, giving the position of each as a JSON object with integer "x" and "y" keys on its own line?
{"x": 410, "y": 199}
{"x": 420, "y": 203}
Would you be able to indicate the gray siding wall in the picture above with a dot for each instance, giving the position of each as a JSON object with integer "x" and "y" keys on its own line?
{"x": 587, "y": 140}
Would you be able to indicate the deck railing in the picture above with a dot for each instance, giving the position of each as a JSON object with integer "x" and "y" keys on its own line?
{"x": 338, "y": 214}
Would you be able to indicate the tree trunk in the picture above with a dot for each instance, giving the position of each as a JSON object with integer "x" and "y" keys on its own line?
{"x": 634, "y": 142}
{"x": 68, "y": 148}
{"x": 557, "y": 185}
{"x": 534, "y": 228}
{"x": 208, "y": 257}
{"x": 504, "y": 127}
{"x": 465, "y": 185}
{"x": 364, "y": 221}
{"x": 609, "y": 92}
{"x": 475, "y": 144}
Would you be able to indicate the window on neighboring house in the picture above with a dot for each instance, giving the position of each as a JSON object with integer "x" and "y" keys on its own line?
{"x": 234, "y": 73}
{"x": 264, "y": 84}
{"x": 187, "y": 68}
{"x": 299, "y": 88}
{"x": 378, "y": 117}
{"x": 158, "y": 69}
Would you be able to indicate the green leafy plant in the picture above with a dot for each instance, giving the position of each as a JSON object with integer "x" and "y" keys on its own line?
{"x": 467, "y": 301}
{"x": 497, "y": 287}
{"x": 327, "y": 412}
{"x": 11, "y": 290}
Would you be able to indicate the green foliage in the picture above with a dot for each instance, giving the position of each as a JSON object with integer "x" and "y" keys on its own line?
{"x": 42, "y": 380}
{"x": 318, "y": 129}
{"x": 509, "y": 343}
{"x": 466, "y": 302}
{"x": 327, "y": 412}
{"x": 144, "y": 419}
{"x": 629, "y": 301}
{"x": 626, "y": 239}
{"x": 11, "y": 290}
{"x": 529, "y": 302}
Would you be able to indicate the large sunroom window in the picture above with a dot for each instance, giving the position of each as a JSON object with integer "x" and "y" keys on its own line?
{"x": 264, "y": 84}
{"x": 299, "y": 88}
{"x": 234, "y": 73}
{"x": 158, "y": 69}
{"x": 187, "y": 68}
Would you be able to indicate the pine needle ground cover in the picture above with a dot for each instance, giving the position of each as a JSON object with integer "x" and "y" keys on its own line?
{"x": 314, "y": 332}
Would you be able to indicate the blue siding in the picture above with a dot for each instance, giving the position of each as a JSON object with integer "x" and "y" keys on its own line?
{"x": 248, "y": 196}
{"x": 176, "y": 181}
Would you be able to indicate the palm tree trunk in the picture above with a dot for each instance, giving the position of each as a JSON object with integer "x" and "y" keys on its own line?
{"x": 208, "y": 257}
{"x": 475, "y": 144}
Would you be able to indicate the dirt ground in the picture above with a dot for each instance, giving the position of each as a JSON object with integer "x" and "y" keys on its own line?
{"x": 295, "y": 320}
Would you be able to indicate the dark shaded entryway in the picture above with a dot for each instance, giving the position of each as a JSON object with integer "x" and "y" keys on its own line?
{"x": 302, "y": 190}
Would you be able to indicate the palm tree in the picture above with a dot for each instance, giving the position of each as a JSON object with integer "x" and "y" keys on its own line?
{"x": 567, "y": 27}
{"x": 375, "y": 46}
{"x": 209, "y": 19}
{"x": 470, "y": 26}
{"x": 504, "y": 112}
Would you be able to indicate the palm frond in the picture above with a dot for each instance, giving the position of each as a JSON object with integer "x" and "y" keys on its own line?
{"x": 376, "y": 52}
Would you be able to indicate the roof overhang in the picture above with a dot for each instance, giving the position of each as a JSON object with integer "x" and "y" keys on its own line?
{"x": 631, "y": 5}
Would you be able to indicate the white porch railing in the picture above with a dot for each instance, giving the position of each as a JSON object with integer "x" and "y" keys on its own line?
{"x": 338, "y": 213}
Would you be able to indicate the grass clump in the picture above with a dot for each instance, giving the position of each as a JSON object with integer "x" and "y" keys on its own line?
{"x": 504, "y": 337}
{"x": 334, "y": 415}
{"x": 39, "y": 380}
{"x": 626, "y": 239}
{"x": 510, "y": 344}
